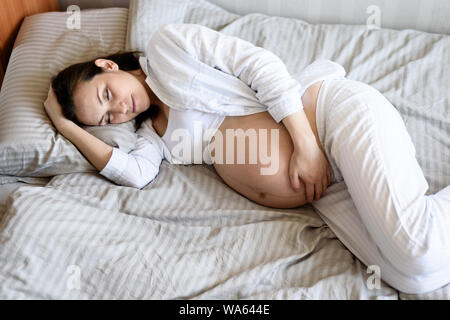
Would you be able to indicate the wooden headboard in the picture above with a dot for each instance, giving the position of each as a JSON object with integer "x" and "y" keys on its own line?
{"x": 12, "y": 13}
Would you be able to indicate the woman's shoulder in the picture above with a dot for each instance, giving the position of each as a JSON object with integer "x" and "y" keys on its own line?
{"x": 146, "y": 133}
{"x": 146, "y": 129}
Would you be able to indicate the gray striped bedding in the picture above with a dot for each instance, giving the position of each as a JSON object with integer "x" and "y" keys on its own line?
{"x": 187, "y": 235}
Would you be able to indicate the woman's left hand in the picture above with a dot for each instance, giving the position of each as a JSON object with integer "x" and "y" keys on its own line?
{"x": 309, "y": 166}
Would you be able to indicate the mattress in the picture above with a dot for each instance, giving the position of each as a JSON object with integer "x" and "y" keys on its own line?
{"x": 187, "y": 235}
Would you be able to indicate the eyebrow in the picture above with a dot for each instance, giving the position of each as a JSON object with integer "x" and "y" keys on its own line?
{"x": 99, "y": 100}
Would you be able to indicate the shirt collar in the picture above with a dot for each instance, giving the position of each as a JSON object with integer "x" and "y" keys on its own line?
{"x": 143, "y": 62}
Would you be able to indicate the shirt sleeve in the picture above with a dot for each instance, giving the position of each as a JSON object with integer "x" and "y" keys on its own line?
{"x": 137, "y": 168}
{"x": 259, "y": 68}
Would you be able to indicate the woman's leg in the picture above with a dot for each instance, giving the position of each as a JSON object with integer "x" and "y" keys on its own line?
{"x": 369, "y": 147}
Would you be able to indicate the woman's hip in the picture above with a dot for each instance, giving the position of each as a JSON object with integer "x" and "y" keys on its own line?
{"x": 348, "y": 109}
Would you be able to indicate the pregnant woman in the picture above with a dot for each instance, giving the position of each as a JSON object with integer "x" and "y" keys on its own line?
{"x": 328, "y": 129}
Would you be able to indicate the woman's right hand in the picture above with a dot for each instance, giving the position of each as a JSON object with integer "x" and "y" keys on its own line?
{"x": 54, "y": 110}
{"x": 308, "y": 165}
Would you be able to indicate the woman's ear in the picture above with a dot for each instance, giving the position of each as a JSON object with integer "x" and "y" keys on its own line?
{"x": 106, "y": 65}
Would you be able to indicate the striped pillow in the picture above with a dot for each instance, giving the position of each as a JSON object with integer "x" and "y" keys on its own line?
{"x": 29, "y": 144}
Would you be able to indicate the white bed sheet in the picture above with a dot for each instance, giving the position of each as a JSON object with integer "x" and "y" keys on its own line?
{"x": 6, "y": 190}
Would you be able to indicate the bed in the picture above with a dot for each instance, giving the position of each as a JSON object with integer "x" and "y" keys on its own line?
{"x": 68, "y": 233}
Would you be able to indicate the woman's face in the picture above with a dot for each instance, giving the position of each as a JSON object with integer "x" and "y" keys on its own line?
{"x": 114, "y": 96}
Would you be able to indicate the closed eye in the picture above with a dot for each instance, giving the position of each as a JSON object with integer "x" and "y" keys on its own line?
{"x": 108, "y": 96}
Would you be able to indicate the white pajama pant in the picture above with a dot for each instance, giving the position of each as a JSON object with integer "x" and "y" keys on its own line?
{"x": 389, "y": 221}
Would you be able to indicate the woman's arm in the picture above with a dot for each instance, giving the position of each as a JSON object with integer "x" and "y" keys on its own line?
{"x": 95, "y": 150}
{"x": 181, "y": 46}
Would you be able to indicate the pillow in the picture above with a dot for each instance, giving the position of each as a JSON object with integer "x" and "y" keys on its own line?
{"x": 146, "y": 16}
{"x": 409, "y": 67}
{"x": 30, "y": 146}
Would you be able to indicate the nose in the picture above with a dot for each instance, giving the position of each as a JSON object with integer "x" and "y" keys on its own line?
{"x": 122, "y": 108}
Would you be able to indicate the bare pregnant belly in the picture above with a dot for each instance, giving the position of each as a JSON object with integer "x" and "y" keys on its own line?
{"x": 266, "y": 180}
{"x": 271, "y": 188}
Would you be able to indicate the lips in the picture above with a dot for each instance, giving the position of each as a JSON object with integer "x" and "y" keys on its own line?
{"x": 134, "y": 105}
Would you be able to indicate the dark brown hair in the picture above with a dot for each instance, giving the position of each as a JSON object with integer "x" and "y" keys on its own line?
{"x": 65, "y": 81}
